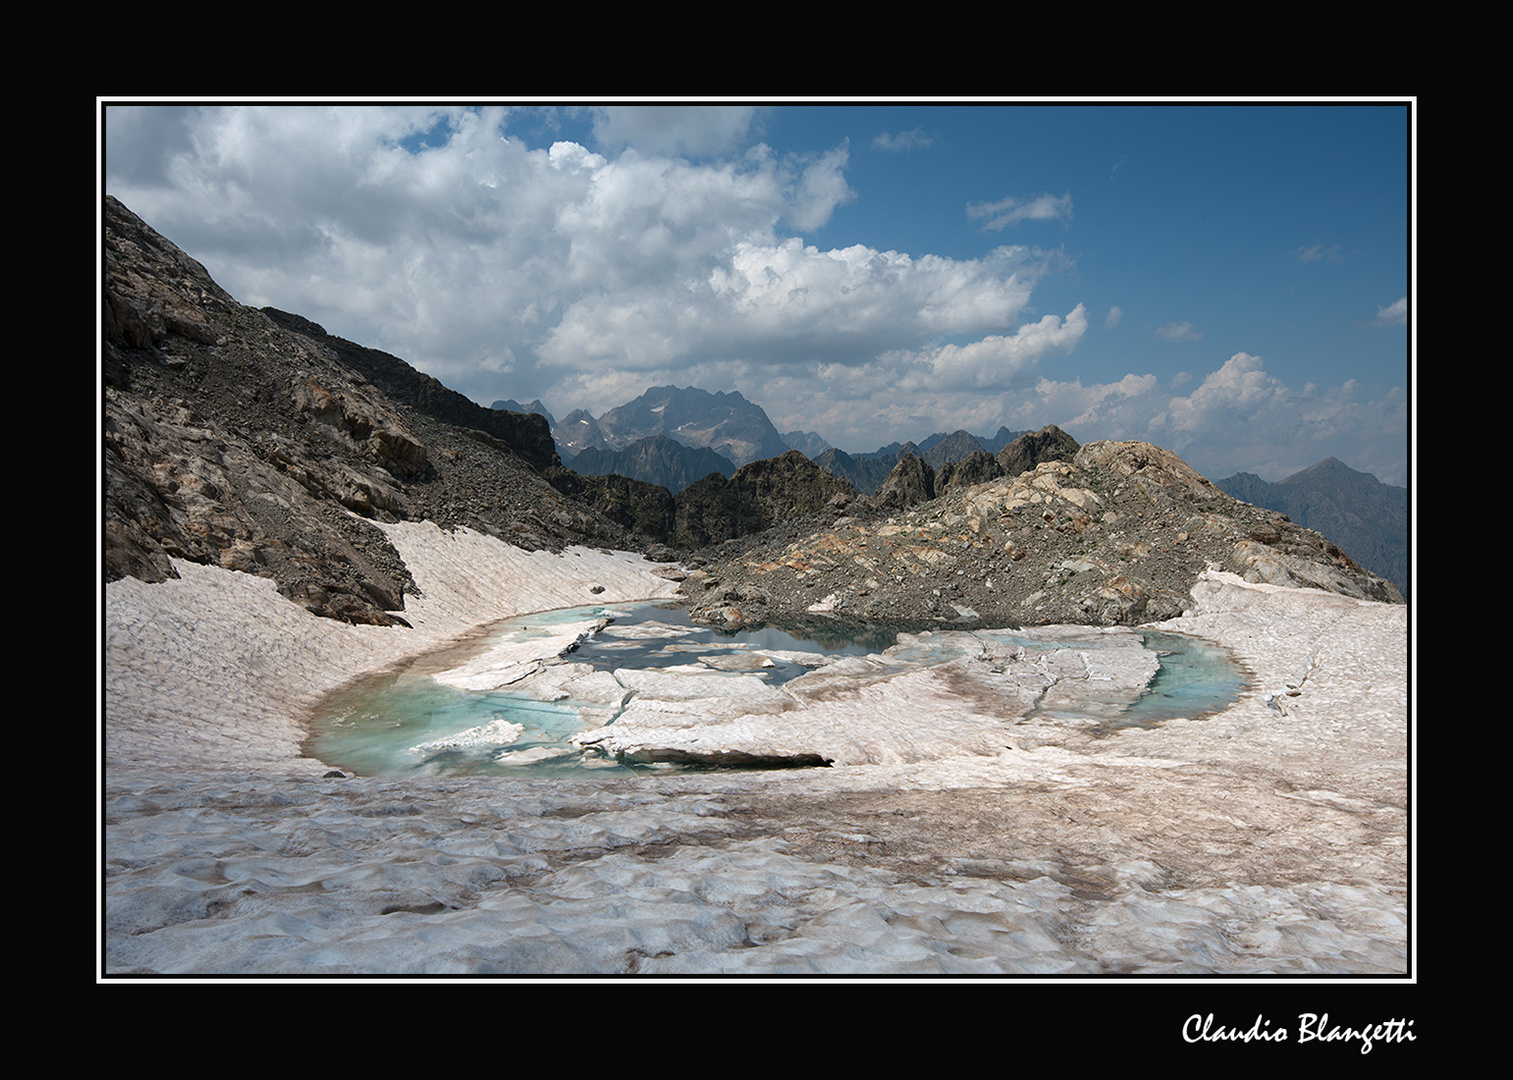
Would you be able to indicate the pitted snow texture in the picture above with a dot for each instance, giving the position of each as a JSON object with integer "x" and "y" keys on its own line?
{"x": 1269, "y": 838}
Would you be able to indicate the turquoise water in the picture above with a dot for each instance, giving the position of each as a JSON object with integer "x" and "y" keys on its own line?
{"x": 385, "y": 725}
{"x": 1196, "y": 678}
{"x": 407, "y": 723}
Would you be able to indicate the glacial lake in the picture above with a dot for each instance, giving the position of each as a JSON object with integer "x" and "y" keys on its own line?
{"x": 405, "y": 722}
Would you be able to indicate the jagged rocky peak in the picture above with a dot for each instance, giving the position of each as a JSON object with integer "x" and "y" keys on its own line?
{"x": 1026, "y": 451}
{"x": 758, "y": 496}
{"x": 957, "y": 458}
{"x": 511, "y": 405}
{"x": 911, "y": 481}
{"x": 978, "y": 467}
{"x": 944, "y": 449}
{"x": 655, "y": 460}
{"x": 810, "y": 442}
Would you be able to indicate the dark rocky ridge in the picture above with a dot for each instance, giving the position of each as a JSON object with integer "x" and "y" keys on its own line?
{"x": 252, "y": 439}
{"x": 916, "y": 479}
{"x": 953, "y": 460}
{"x": 865, "y": 474}
{"x": 655, "y": 460}
{"x": 758, "y": 496}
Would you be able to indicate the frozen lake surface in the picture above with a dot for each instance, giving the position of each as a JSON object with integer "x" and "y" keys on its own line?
{"x": 957, "y": 835}
{"x": 509, "y": 702}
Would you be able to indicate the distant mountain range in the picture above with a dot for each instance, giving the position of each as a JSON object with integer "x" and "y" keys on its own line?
{"x": 1365, "y": 517}
{"x": 534, "y": 407}
{"x": 737, "y": 430}
{"x": 723, "y": 422}
{"x": 808, "y": 443}
{"x": 656, "y": 460}
{"x": 674, "y": 437}
{"x": 649, "y": 439}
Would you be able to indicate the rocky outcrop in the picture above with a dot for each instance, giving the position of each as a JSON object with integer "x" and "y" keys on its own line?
{"x": 526, "y": 434}
{"x": 911, "y": 482}
{"x": 758, "y": 496}
{"x": 956, "y": 460}
{"x": 645, "y": 511}
{"x": 1050, "y": 443}
{"x": 978, "y": 467}
{"x": 914, "y": 480}
{"x": 253, "y": 440}
{"x": 1118, "y": 535}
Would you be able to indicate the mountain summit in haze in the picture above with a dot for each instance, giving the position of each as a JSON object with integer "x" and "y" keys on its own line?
{"x": 655, "y": 460}
{"x": 723, "y": 422}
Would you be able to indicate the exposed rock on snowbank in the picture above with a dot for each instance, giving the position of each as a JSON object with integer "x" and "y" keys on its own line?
{"x": 216, "y": 668}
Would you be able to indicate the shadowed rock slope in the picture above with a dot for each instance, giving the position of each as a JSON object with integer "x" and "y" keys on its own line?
{"x": 758, "y": 496}
{"x": 253, "y": 440}
{"x": 1117, "y": 535}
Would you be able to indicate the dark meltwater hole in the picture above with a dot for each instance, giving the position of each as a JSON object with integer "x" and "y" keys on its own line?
{"x": 405, "y": 722}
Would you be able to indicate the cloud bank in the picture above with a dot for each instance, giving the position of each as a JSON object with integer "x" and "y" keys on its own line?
{"x": 672, "y": 250}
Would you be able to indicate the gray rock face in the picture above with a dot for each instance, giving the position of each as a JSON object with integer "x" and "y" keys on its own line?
{"x": 911, "y": 482}
{"x": 1050, "y": 443}
{"x": 810, "y": 442}
{"x": 1118, "y": 536}
{"x": 978, "y": 467}
{"x": 576, "y": 432}
{"x": 255, "y": 441}
{"x": 758, "y": 496}
{"x": 956, "y": 460}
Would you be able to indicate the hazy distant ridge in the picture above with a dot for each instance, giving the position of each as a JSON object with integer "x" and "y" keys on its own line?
{"x": 1365, "y": 517}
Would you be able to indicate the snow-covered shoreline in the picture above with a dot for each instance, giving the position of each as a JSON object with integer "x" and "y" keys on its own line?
{"x": 1272, "y": 837}
{"x": 217, "y": 669}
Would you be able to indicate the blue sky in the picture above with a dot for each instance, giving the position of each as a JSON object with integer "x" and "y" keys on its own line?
{"x": 1230, "y": 281}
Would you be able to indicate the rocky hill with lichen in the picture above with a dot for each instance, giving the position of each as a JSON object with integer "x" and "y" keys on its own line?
{"x": 1117, "y": 535}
